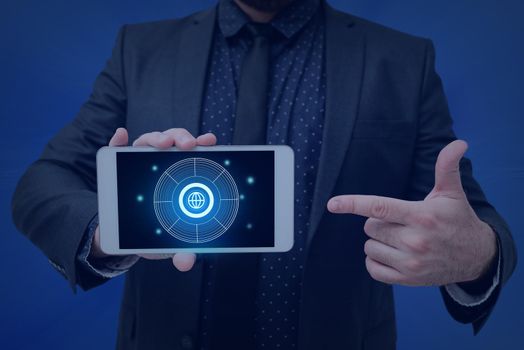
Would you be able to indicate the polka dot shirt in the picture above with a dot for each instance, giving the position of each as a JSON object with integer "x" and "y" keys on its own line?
{"x": 296, "y": 102}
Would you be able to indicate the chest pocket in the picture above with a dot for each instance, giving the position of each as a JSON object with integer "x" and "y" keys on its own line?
{"x": 383, "y": 129}
{"x": 380, "y": 157}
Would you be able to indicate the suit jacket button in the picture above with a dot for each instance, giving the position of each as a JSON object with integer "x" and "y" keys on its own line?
{"x": 187, "y": 342}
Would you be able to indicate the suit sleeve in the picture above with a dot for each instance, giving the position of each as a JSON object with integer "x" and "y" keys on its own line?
{"x": 434, "y": 133}
{"x": 56, "y": 198}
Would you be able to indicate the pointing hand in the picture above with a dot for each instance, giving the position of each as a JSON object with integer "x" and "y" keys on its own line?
{"x": 437, "y": 241}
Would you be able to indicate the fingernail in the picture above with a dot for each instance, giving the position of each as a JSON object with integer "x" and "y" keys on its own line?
{"x": 334, "y": 205}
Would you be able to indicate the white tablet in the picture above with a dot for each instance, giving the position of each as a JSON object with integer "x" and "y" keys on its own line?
{"x": 220, "y": 199}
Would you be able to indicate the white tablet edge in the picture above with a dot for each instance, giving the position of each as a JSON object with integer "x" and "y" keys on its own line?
{"x": 284, "y": 200}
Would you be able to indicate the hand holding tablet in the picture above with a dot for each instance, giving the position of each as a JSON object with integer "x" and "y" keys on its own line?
{"x": 210, "y": 199}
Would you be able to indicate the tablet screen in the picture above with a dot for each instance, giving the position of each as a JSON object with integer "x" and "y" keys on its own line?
{"x": 196, "y": 199}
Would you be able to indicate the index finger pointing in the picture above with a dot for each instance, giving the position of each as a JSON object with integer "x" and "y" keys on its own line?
{"x": 383, "y": 208}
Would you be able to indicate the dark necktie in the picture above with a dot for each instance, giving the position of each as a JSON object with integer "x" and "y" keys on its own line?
{"x": 251, "y": 110}
{"x": 235, "y": 305}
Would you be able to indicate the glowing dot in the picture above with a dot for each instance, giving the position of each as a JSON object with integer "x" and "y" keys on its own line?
{"x": 242, "y": 197}
{"x": 227, "y": 162}
{"x": 249, "y": 226}
{"x": 154, "y": 167}
{"x": 139, "y": 198}
{"x": 158, "y": 231}
{"x": 250, "y": 180}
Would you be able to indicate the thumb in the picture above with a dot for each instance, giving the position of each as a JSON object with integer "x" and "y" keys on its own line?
{"x": 447, "y": 169}
{"x": 120, "y": 138}
{"x": 184, "y": 261}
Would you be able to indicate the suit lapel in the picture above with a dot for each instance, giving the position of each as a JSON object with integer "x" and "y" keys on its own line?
{"x": 345, "y": 49}
{"x": 191, "y": 60}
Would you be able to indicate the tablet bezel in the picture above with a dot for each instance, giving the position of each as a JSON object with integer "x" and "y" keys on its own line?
{"x": 108, "y": 200}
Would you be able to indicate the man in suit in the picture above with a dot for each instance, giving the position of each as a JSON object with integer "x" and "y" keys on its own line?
{"x": 383, "y": 193}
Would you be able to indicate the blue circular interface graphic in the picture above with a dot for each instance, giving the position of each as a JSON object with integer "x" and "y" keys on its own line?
{"x": 196, "y": 200}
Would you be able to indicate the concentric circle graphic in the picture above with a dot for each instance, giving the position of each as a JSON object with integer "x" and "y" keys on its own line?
{"x": 196, "y": 200}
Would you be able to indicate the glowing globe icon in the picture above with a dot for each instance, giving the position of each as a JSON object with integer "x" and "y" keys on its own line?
{"x": 196, "y": 200}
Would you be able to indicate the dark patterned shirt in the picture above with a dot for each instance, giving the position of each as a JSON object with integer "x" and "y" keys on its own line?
{"x": 296, "y": 101}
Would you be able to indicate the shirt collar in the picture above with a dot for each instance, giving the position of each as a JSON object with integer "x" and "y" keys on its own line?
{"x": 288, "y": 22}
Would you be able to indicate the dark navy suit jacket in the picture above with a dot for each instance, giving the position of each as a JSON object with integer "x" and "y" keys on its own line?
{"x": 386, "y": 120}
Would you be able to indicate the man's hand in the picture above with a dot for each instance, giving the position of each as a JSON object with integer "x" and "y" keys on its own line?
{"x": 179, "y": 138}
{"x": 437, "y": 241}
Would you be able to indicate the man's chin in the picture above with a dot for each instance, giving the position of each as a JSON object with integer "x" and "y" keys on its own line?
{"x": 270, "y": 6}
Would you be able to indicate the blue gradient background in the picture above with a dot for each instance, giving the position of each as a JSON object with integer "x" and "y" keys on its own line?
{"x": 52, "y": 50}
